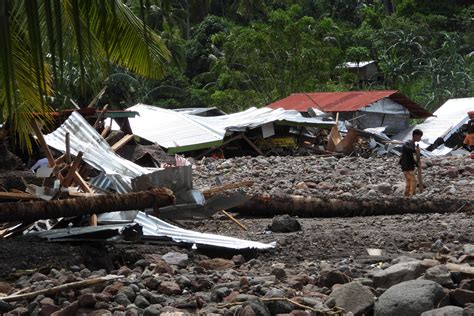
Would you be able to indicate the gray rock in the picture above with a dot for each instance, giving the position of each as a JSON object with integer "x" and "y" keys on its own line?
{"x": 176, "y": 258}
{"x": 218, "y": 294}
{"x": 278, "y": 307}
{"x": 403, "y": 259}
{"x": 444, "y": 311}
{"x": 468, "y": 249}
{"x": 285, "y": 224}
{"x": 384, "y": 188}
{"x": 469, "y": 309}
{"x": 151, "y": 311}
{"x": 353, "y": 297}
{"x": 410, "y": 298}
{"x": 122, "y": 299}
{"x": 141, "y": 301}
{"x": 258, "y": 307}
{"x": 129, "y": 292}
{"x": 439, "y": 274}
{"x": 400, "y": 272}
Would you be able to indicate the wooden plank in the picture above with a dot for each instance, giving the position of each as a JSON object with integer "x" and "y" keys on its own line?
{"x": 239, "y": 136}
{"x": 44, "y": 146}
{"x": 106, "y": 131}
{"x": 232, "y": 218}
{"x": 17, "y": 196}
{"x": 252, "y": 145}
{"x": 212, "y": 191}
{"x": 82, "y": 183}
{"x": 122, "y": 142}
{"x": 99, "y": 117}
{"x": 67, "y": 181}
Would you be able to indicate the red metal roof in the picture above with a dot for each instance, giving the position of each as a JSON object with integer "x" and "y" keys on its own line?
{"x": 345, "y": 101}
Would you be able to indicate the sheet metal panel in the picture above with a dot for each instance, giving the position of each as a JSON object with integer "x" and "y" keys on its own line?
{"x": 445, "y": 121}
{"x": 96, "y": 151}
{"x": 153, "y": 226}
{"x": 171, "y": 129}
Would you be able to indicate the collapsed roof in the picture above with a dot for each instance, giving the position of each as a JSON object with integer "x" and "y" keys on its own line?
{"x": 180, "y": 131}
{"x": 446, "y": 120}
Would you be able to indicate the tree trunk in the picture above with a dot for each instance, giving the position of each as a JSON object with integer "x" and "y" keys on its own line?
{"x": 311, "y": 206}
{"x": 32, "y": 211}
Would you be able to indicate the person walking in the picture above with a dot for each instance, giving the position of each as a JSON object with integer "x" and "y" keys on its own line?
{"x": 408, "y": 162}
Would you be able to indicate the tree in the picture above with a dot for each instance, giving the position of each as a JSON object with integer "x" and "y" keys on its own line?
{"x": 42, "y": 39}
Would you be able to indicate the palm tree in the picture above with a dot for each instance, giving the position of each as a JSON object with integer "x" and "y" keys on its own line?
{"x": 42, "y": 39}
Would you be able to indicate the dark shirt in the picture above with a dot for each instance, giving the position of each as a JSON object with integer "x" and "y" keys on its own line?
{"x": 407, "y": 159}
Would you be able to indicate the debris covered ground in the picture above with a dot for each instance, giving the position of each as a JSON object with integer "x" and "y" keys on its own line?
{"x": 322, "y": 269}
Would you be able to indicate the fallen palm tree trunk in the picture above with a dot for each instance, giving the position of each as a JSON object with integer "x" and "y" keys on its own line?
{"x": 32, "y": 211}
{"x": 311, "y": 206}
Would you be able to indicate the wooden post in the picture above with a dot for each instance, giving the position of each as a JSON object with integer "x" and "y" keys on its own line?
{"x": 252, "y": 145}
{"x": 68, "y": 149}
{"x": 43, "y": 144}
{"x": 72, "y": 169}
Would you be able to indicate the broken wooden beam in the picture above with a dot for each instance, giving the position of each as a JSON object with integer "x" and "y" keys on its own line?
{"x": 16, "y": 196}
{"x": 60, "y": 288}
{"x": 122, "y": 142}
{"x": 32, "y": 211}
{"x": 313, "y": 206}
{"x": 228, "y": 186}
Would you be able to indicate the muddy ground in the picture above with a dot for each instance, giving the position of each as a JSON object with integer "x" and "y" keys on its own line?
{"x": 331, "y": 239}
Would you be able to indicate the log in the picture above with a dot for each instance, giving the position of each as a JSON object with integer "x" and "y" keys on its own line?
{"x": 313, "y": 206}
{"x": 32, "y": 211}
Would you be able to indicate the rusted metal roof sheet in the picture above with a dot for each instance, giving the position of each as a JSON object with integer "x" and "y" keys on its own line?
{"x": 348, "y": 101}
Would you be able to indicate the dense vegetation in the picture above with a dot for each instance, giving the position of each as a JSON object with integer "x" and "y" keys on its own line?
{"x": 228, "y": 54}
{"x": 241, "y": 53}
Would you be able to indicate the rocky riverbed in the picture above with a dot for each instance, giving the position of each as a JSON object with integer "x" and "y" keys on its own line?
{"x": 364, "y": 178}
{"x": 422, "y": 262}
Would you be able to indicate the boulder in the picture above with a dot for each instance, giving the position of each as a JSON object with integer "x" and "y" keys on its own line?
{"x": 439, "y": 274}
{"x": 410, "y": 298}
{"x": 353, "y": 297}
{"x": 285, "y": 224}
{"x": 400, "y": 272}
{"x": 444, "y": 311}
{"x": 169, "y": 288}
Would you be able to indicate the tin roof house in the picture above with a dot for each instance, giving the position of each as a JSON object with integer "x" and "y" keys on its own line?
{"x": 364, "y": 109}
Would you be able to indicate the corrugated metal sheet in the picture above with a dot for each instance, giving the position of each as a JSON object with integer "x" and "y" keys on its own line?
{"x": 445, "y": 121}
{"x": 171, "y": 129}
{"x": 153, "y": 226}
{"x": 345, "y": 101}
{"x": 96, "y": 151}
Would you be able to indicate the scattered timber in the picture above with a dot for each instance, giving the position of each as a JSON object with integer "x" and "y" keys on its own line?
{"x": 228, "y": 186}
{"x": 63, "y": 287}
{"x": 311, "y": 206}
{"x": 32, "y": 211}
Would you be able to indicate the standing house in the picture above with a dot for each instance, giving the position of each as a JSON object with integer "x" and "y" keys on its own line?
{"x": 366, "y": 71}
{"x": 364, "y": 109}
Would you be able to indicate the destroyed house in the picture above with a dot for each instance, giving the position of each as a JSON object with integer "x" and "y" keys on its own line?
{"x": 363, "y": 109}
{"x": 242, "y": 133}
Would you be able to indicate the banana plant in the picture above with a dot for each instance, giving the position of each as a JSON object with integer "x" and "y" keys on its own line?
{"x": 42, "y": 39}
